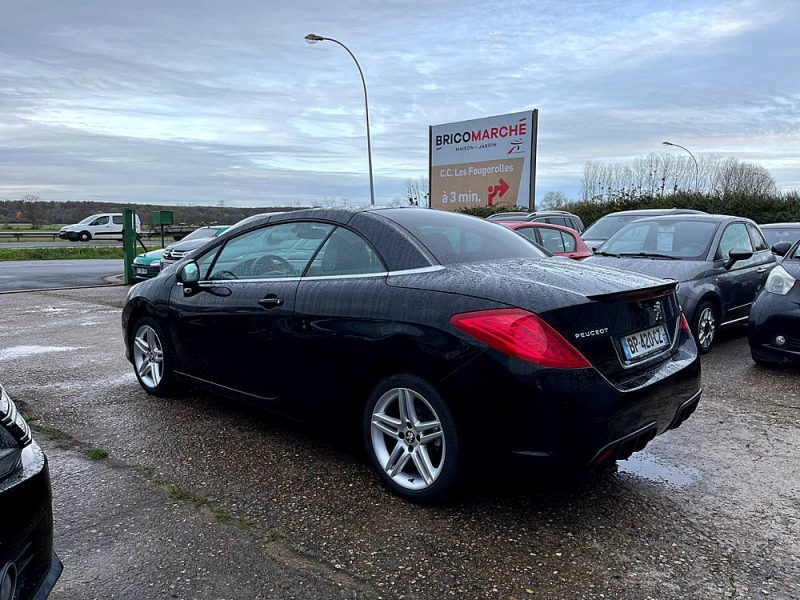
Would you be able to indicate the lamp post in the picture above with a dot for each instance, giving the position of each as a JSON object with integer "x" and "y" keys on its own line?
{"x": 313, "y": 38}
{"x": 696, "y": 166}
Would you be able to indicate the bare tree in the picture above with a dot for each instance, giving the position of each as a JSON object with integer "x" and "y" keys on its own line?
{"x": 554, "y": 199}
{"x": 30, "y": 211}
{"x": 663, "y": 174}
{"x": 417, "y": 191}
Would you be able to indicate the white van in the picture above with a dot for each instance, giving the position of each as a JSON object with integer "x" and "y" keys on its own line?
{"x": 103, "y": 226}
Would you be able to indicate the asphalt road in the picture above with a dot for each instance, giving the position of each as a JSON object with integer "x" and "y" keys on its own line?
{"x": 40, "y": 274}
{"x": 202, "y": 498}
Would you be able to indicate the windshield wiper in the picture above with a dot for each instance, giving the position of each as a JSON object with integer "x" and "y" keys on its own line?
{"x": 650, "y": 255}
{"x": 604, "y": 253}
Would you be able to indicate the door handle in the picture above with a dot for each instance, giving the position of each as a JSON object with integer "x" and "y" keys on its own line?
{"x": 271, "y": 301}
{"x": 762, "y": 270}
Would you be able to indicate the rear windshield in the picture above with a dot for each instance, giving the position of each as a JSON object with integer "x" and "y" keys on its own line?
{"x": 776, "y": 235}
{"x": 454, "y": 238}
{"x": 671, "y": 237}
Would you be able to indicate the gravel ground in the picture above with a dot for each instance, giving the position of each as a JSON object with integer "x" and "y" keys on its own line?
{"x": 203, "y": 498}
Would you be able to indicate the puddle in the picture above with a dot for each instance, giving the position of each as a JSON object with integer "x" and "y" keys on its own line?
{"x": 23, "y": 351}
{"x": 647, "y": 466}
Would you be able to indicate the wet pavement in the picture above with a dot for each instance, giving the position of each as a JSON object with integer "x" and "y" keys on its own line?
{"x": 39, "y": 274}
{"x": 203, "y": 498}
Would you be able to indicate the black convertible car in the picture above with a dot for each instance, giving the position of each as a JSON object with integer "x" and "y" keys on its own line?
{"x": 450, "y": 341}
{"x": 774, "y": 328}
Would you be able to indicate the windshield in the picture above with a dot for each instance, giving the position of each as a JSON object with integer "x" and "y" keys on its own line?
{"x": 776, "y": 235}
{"x": 203, "y": 232}
{"x": 454, "y": 238}
{"x": 605, "y": 227}
{"x": 672, "y": 238}
{"x": 88, "y": 219}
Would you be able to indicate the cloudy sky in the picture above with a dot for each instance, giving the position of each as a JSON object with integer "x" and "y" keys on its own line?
{"x": 202, "y": 101}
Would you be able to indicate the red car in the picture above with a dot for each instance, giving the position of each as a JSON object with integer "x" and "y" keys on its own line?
{"x": 559, "y": 240}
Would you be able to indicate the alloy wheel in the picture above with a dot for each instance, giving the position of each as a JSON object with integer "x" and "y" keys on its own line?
{"x": 706, "y": 327}
{"x": 148, "y": 356}
{"x": 408, "y": 439}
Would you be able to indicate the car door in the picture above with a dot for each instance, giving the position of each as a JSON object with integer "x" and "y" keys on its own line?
{"x": 765, "y": 258}
{"x": 339, "y": 313}
{"x": 738, "y": 284}
{"x": 101, "y": 227}
{"x": 237, "y": 330}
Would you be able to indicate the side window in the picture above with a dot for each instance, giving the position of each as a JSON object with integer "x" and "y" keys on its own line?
{"x": 345, "y": 253}
{"x": 569, "y": 242}
{"x": 551, "y": 239}
{"x": 734, "y": 237}
{"x": 99, "y": 221}
{"x": 759, "y": 243}
{"x": 271, "y": 252}
{"x": 527, "y": 232}
{"x": 204, "y": 262}
{"x": 117, "y": 219}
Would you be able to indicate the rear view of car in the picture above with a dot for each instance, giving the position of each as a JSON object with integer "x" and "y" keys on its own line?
{"x": 29, "y": 567}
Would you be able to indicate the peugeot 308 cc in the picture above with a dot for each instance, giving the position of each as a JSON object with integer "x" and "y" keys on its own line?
{"x": 449, "y": 341}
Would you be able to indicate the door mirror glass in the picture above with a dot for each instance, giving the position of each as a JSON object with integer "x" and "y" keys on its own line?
{"x": 189, "y": 273}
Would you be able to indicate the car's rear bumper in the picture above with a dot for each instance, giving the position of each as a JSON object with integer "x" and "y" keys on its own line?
{"x": 578, "y": 415}
{"x": 26, "y": 527}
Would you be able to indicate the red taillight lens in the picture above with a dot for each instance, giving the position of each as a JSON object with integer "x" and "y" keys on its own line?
{"x": 521, "y": 334}
{"x": 684, "y": 323}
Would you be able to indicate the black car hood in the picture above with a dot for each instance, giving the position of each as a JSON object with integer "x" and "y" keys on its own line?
{"x": 540, "y": 284}
{"x": 680, "y": 270}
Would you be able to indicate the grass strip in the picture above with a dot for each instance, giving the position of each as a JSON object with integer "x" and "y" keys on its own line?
{"x": 63, "y": 253}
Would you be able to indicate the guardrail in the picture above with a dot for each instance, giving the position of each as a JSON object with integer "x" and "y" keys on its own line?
{"x": 53, "y": 235}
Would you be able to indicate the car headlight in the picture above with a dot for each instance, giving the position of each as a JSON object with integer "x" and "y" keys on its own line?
{"x": 779, "y": 281}
{"x": 14, "y": 435}
{"x": 155, "y": 263}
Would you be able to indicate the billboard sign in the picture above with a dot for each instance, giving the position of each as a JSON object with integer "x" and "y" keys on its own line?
{"x": 484, "y": 162}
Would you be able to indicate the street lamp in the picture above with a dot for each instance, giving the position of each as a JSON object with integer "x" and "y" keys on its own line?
{"x": 313, "y": 38}
{"x": 696, "y": 166}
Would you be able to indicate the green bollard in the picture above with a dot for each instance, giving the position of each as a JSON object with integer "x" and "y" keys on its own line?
{"x": 129, "y": 242}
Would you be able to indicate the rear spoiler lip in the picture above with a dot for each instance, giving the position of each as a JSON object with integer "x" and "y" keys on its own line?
{"x": 648, "y": 293}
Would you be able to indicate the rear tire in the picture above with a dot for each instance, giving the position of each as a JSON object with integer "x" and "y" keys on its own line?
{"x": 705, "y": 326}
{"x": 152, "y": 357}
{"x": 411, "y": 438}
{"x": 84, "y": 236}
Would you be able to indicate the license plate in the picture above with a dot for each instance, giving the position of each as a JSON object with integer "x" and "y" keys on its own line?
{"x": 141, "y": 271}
{"x": 644, "y": 342}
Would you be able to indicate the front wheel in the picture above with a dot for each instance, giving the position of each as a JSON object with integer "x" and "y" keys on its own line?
{"x": 411, "y": 438}
{"x": 85, "y": 236}
{"x": 152, "y": 359}
{"x": 705, "y": 326}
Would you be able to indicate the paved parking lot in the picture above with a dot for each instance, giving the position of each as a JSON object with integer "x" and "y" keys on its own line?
{"x": 202, "y": 498}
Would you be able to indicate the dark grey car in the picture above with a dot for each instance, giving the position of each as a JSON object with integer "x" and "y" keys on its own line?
{"x": 721, "y": 263}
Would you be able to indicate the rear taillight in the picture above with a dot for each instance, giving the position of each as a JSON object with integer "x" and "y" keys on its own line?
{"x": 684, "y": 323}
{"x": 522, "y": 335}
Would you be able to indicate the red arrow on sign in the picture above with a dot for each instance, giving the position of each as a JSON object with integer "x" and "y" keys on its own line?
{"x": 501, "y": 188}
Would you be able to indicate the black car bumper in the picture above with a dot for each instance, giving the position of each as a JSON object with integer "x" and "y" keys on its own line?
{"x": 68, "y": 235}
{"x": 26, "y": 529}
{"x": 580, "y": 417}
{"x": 773, "y": 317}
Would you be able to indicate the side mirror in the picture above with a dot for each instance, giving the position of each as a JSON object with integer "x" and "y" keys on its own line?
{"x": 736, "y": 255}
{"x": 781, "y": 248}
{"x": 189, "y": 274}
